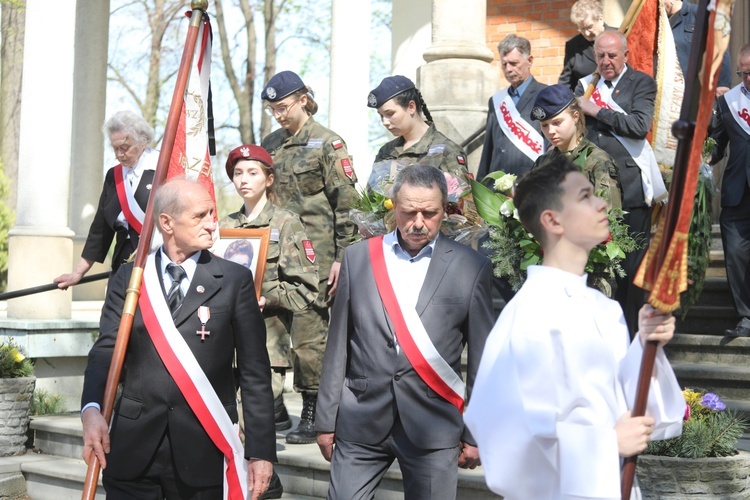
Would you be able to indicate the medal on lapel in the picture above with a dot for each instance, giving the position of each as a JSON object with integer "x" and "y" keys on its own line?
{"x": 204, "y": 314}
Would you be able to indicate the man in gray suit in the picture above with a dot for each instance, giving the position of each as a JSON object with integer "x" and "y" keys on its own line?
{"x": 407, "y": 305}
{"x": 512, "y": 141}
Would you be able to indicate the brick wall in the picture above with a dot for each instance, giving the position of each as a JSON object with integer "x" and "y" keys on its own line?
{"x": 546, "y": 24}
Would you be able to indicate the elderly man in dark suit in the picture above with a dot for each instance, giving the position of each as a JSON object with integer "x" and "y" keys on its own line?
{"x": 407, "y": 305}
{"x": 619, "y": 116}
{"x": 512, "y": 141}
{"x": 173, "y": 432}
{"x": 731, "y": 126}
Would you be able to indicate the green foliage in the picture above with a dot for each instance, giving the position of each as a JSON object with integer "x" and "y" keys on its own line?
{"x": 514, "y": 249}
{"x": 13, "y": 364}
{"x": 710, "y": 430}
{"x": 44, "y": 403}
{"x": 6, "y": 222}
{"x": 699, "y": 234}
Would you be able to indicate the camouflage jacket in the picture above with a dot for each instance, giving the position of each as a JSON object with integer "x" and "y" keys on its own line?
{"x": 600, "y": 169}
{"x": 433, "y": 148}
{"x": 290, "y": 281}
{"x": 315, "y": 178}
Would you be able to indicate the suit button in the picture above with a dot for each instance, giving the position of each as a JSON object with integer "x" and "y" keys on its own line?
{"x": 397, "y": 378}
{"x": 390, "y": 344}
{"x": 171, "y": 407}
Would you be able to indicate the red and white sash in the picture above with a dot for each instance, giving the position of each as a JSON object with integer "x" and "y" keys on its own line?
{"x": 126, "y": 194}
{"x": 519, "y": 131}
{"x": 740, "y": 106}
{"x": 412, "y": 336}
{"x": 639, "y": 149}
{"x": 192, "y": 382}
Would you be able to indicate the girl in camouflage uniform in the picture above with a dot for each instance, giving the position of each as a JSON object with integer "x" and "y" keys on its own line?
{"x": 400, "y": 106}
{"x": 315, "y": 179}
{"x": 290, "y": 281}
{"x": 564, "y": 126}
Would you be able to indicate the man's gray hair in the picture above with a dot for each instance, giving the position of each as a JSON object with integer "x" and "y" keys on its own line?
{"x": 511, "y": 42}
{"x": 610, "y": 32}
{"x": 421, "y": 175}
{"x": 132, "y": 124}
{"x": 168, "y": 200}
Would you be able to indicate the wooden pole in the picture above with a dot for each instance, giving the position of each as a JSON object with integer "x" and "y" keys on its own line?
{"x": 685, "y": 131}
{"x": 134, "y": 286}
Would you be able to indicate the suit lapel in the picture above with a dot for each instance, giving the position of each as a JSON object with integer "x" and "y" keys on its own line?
{"x": 207, "y": 274}
{"x": 529, "y": 96}
{"x": 439, "y": 263}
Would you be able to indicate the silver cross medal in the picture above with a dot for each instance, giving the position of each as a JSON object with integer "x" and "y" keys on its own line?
{"x": 204, "y": 314}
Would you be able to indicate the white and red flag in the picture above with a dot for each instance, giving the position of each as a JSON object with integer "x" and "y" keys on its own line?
{"x": 190, "y": 155}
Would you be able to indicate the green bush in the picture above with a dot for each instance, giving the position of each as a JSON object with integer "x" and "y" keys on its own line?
{"x": 13, "y": 364}
{"x": 44, "y": 403}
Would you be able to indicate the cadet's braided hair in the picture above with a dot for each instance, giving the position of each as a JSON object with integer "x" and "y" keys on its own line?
{"x": 404, "y": 98}
{"x": 311, "y": 107}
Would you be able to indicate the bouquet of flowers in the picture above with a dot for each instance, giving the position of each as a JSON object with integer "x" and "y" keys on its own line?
{"x": 709, "y": 429}
{"x": 515, "y": 249}
{"x": 373, "y": 209}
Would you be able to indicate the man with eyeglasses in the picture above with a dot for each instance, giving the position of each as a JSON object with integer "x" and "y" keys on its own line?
{"x": 731, "y": 126}
{"x": 682, "y": 16}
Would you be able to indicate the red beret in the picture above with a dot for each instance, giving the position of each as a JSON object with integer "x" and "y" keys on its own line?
{"x": 247, "y": 152}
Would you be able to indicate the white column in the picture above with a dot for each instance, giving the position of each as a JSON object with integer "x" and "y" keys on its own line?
{"x": 89, "y": 102}
{"x": 40, "y": 245}
{"x": 350, "y": 79}
{"x": 411, "y": 35}
{"x": 458, "y": 78}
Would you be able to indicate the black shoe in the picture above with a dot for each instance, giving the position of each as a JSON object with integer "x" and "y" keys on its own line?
{"x": 738, "y": 331}
{"x": 281, "y": 416}
{"x": 275, "y": 489}
{"x": 305, "y": 431}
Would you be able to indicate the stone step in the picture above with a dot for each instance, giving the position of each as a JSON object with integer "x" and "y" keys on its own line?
{"x": 708, "y": 320}
{"x": 728, "y": 381}
{"x": 692, "y": 348}
{"x": 715, "y": 293}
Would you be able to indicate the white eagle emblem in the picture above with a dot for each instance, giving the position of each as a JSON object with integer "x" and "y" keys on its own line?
{"x": 271, "y": 92}
{"x": 372, "y": 101}
{"x": 245, "y": 151}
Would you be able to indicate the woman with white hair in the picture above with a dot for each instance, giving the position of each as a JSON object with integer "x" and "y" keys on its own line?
{"x": 588, "y": 16}
{"x": 122, "y": 204}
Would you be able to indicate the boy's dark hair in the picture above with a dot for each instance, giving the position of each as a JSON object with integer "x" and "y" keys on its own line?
{"x": 540, "y": 190}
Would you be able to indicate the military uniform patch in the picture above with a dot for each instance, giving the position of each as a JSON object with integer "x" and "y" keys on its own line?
{"x": 461, "y": 160}
{"x": 436, "y": 149}
{"x": 309, "y": 251}
{"x": 337, "y": 144}
{"x": 314, "y": 144}
{"x": 346, "y": 165}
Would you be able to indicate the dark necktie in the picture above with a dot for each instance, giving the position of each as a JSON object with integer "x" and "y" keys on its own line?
{"x": 608, "y": 84}
{"x": 174, "y": 297}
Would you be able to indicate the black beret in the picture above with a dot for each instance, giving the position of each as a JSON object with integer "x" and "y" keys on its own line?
{"x": 550, "y": 101}
{"x": 281, "y": 85}
{"x": 389, "y": 88}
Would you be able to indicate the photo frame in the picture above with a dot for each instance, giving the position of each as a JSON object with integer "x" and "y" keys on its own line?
{"x": 237, "y": 244}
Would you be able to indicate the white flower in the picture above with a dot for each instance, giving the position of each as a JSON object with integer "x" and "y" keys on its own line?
{"x": 505, "y": 183}
{"x": 507, "y": 208}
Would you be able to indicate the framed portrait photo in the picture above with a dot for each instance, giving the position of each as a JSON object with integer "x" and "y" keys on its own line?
{"x": 247, "y": 247}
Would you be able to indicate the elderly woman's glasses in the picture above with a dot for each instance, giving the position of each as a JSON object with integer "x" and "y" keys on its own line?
{"x": 279, "y": 110}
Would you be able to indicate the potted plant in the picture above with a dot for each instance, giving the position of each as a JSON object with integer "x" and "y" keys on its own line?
{"x": 16, "y": 390}
{"x": 703, "y": 461}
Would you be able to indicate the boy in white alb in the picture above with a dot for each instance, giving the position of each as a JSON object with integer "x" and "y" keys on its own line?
{"x": 550, "y": 405}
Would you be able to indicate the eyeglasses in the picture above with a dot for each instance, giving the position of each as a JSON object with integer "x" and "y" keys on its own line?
{"x": 743, "y": 74}
{"x": 280, "y": 110}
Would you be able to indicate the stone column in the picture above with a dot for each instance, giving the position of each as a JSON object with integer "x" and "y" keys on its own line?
{"x": 458, "y": 78}
{"x": 55, "y": 94}
{"x": 350, "y": 79}
{"x": 89, "y": 100}
{"x": 411, "y": 35}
